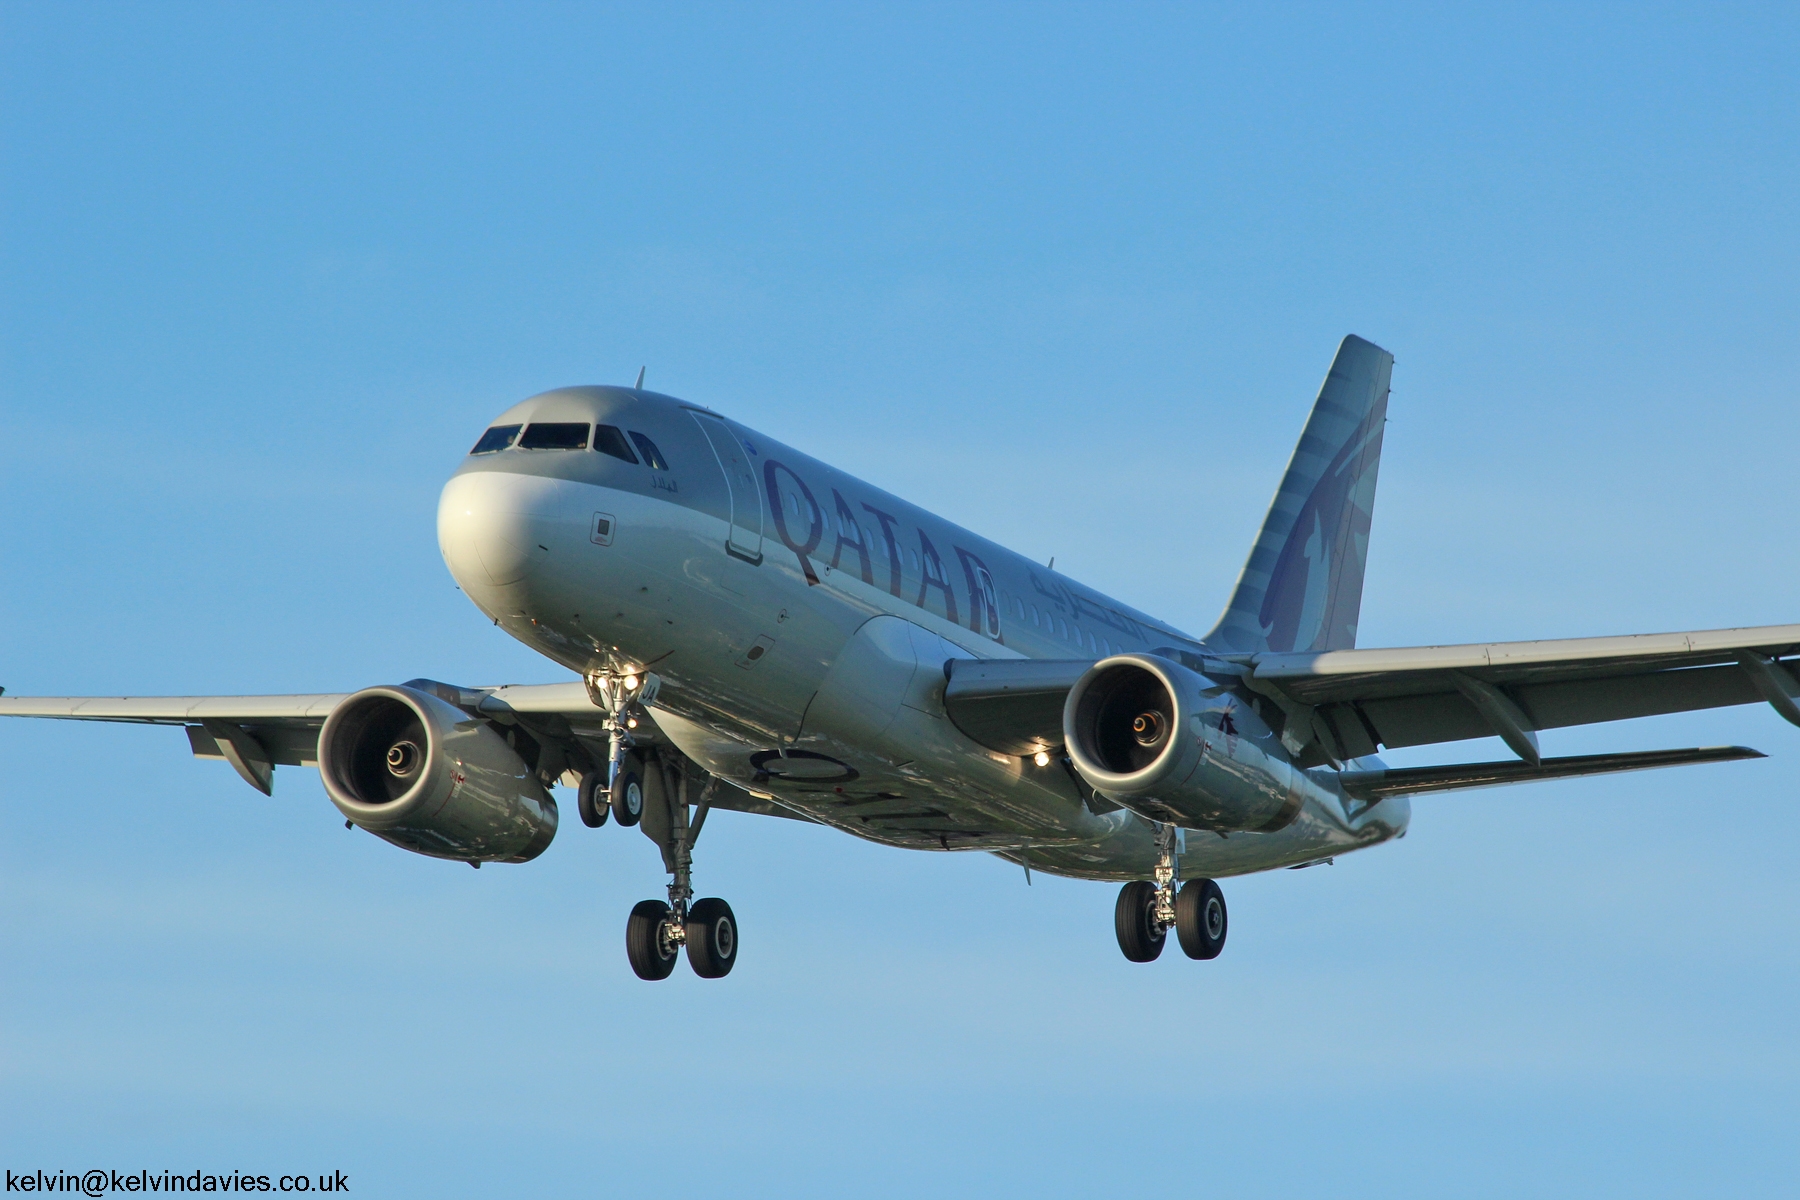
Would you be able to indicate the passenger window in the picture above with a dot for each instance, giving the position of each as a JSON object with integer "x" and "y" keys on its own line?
{"x": 497, "y": 438}
{"x": 555, "y": 435}
{"x": 608, "y": 440}
{"x": 652, "y": 456}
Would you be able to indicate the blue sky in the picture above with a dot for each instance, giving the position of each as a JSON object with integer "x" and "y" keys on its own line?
{"x": 1069, "y": 275}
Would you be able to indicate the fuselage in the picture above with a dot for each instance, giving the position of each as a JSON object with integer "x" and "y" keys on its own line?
{"x": 799, "y": 620}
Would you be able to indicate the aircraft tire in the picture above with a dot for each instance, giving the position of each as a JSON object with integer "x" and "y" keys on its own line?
{"x": 592, "y": 801}
{"x": 1134, "y": 920}
{"x": 712, "y": 938}
{"x": 644, "y": 944}
{"x": 628, "y": 794}
{"x": 1200, "y": 919}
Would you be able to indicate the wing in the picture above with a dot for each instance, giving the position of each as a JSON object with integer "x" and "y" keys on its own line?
{"x": 1013, "y": 705}
{"x": 257, "y": 733}
{"x": 252, "y": 733}
{"x": 292, "y": 712}
{"x": 1344, "y": 704}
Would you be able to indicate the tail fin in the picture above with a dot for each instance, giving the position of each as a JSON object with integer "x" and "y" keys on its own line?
{"x": 1302, "y": 586}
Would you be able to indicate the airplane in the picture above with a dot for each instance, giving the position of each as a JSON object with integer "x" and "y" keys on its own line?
{"x": 756, "y": 631}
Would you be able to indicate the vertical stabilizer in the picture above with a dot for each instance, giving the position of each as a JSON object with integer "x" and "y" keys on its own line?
{"x": 1302, "y": 586}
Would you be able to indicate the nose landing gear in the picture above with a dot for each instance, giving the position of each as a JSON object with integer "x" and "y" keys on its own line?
{"x": 1145, "y": 911}
{"x": 591, "y": 800}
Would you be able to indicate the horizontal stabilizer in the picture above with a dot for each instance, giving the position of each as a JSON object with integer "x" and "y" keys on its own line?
{"x": 1410, "y": 781}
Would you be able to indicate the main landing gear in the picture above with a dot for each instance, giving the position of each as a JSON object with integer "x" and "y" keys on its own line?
{"x": 1146, "y": 911}
{"x": 656, "y": 932}
{"x": 649, "y": 789}
{"x": 709, "y": 932}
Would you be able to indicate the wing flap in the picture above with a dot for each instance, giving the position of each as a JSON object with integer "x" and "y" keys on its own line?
{"x": 287, "y": 746}
{"x": 1446, "y": 716}
{"x": 1413, "y": 781}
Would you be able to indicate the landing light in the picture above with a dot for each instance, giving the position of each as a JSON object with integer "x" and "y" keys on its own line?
{"x": 1041, "y": 759}
{"x": 631, "y": 682}
{"x": 631, "y": 722}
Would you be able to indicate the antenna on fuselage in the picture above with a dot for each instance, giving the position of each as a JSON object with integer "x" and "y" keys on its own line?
{"x": 639, "y": 385}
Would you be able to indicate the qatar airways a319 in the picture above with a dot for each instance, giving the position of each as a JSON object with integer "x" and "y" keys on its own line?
{"x": 751, "y": 629}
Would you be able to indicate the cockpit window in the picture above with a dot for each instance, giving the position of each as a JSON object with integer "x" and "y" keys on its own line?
{"x": 497, "y": 438}
{"x": 555, "y": 435}
{"x": 608, "y": 440}
{"x": 652, "y": 456}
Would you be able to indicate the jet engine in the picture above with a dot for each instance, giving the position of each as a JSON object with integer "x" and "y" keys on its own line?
{"x": 428, "y": 777}
{"x": 1169, "y": 744}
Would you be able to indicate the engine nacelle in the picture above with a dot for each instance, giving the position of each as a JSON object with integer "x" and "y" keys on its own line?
{"x": 430, "y": 778}
{"x": 1166, "y": 743}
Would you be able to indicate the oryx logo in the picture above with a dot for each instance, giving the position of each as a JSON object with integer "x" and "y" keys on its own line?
{"x": 1315, "y": 590}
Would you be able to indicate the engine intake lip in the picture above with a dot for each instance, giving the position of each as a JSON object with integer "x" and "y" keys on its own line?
{"x": 354, "y": 754}
{"x": 1099, "y": 717}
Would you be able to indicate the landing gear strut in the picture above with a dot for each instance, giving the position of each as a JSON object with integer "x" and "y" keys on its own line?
{"x": 1145, "y": 912}
{"x": 621, "y": 696}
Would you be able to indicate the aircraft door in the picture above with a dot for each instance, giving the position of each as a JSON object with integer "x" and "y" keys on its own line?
{"x": 745, "y": 537}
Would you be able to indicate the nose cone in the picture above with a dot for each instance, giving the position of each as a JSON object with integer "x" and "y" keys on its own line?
{"x": 490, "y": 524}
